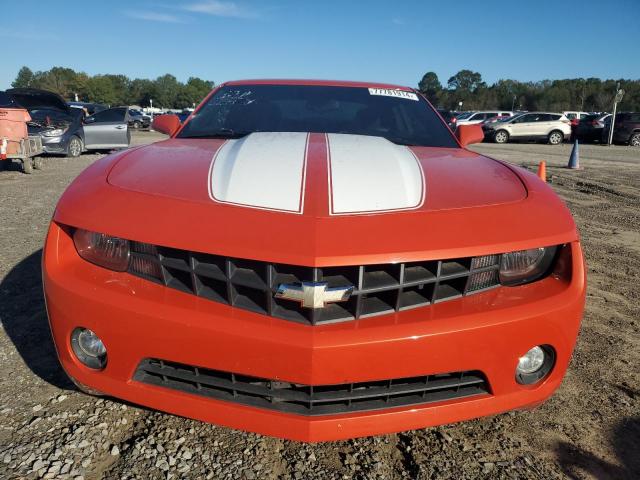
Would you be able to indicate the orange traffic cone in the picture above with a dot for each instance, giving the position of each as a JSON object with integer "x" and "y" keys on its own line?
{"x": 542, "y": 171}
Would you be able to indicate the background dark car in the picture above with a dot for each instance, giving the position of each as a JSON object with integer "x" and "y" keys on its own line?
{"x": 626, "y": 129}
{"x": 65, "y": 130}
{"x": 183, "y": 116}
{"x": 137, "y": 119}
{"x": 449, "y": 117}
{"x": 590, "y": 128}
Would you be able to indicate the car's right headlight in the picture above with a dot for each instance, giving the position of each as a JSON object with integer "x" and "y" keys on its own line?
{"x": 103, "y": 250}
{"x": 525, "y": 266}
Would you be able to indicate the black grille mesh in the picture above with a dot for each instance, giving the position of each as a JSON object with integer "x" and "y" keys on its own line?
{"x": 311, "y": 400}
{"x": 251, "y": 284}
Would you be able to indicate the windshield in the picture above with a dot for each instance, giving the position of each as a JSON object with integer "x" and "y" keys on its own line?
{"x": 464, "y": 116}
{"x": 237, "y": 110}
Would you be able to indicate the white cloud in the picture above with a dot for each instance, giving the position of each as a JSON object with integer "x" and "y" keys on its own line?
{"x": 154, "y": 16}
{"x": 220, "y": 9}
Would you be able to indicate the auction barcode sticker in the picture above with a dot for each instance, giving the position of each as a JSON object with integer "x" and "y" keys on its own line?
{"x": 390, "y": 92}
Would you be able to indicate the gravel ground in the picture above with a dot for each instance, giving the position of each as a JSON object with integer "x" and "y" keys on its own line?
{"x": 589, "y": 429}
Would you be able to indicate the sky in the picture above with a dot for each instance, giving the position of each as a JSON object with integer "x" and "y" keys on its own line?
{"x": 385, "y": 41}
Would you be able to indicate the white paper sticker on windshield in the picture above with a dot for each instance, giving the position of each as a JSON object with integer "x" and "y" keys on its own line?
{"x": 390, "y": 92}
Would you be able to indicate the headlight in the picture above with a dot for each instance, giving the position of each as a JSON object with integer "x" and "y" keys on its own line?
{"x": 56, "y": 132}
{"x": 103, "y": 250}
{"x": 525, "y": 266}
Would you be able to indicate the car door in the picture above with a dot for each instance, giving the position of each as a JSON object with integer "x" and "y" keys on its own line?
{"x": 523, "y": 126}
{"x": 106, "y": 129}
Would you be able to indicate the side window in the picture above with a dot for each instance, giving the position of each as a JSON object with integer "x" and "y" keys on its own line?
{"x": 554, "y": 117}
{"x": 492, "y": 114}
{"x": 571, "y": 116}
{"x": 476, "y": 116}
{"x": 527, "y": 118}
{"x": 110, "y": 115}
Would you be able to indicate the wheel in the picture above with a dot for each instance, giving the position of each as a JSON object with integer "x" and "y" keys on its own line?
{"x": 634, "y": 141}
{"x": 38, "y": 163}
{"x": 27, "y": 166}
{"x": 74, "y": 149}
{"x": 555, "y": 138}
{"x": 501, "y": 136}
{"x": 136, "y": 125}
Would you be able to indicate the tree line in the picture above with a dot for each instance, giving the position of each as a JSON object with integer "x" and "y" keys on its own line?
{"x": 165, "y": 91}
{"x": 466, "y": 86}
{"x": 581, "y": 94}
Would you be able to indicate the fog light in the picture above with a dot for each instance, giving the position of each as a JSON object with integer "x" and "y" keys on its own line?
{"x": 89, "y": 348}
{"x": 531, "y": 361}
{"x": 535, "y": 364}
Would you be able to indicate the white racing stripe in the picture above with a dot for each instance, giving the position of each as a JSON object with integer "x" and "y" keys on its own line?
{"x": 372, "y": 175}
{"x": 263, "y": 170}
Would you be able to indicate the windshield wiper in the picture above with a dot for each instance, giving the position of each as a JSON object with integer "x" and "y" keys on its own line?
{"x": 222, "y": 133}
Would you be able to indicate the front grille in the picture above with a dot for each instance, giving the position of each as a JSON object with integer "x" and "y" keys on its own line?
{"x": 252, "y": 284}
{"x": 307, "y": 399}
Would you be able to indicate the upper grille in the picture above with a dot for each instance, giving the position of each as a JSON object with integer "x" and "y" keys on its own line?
{"x": 252, "y": 284}
{"x": 307, "y": 399}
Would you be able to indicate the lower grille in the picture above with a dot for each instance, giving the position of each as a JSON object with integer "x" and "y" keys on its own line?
{"x": 311, "y": 399}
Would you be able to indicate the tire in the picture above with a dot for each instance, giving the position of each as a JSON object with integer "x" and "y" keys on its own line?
{"x": 75, "y": 147}
{"x": 38, "y": 163}
{"x": 634, "y": 141}
{"x": 27, "y": 166}
{"x": 501, "y": 136}
{"x": 136, "y": 125}
{"x": 556, "y": 137}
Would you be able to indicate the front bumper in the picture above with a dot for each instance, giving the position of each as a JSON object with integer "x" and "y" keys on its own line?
{"x": 56, "y": 145}
{"x": 138, "y": 319}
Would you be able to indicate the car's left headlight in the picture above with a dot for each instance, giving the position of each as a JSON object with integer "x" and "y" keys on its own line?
{"x": 525, "y": 266}
{"x": 56, "y": 132}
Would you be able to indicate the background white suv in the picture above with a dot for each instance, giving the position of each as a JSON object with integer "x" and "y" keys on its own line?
{"x": 552, "y": 127}
{"x": 471, "y": 118}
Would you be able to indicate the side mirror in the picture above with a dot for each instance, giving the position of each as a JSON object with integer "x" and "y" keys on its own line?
{"x": 468, "y": 134}
{"x": 168, "y": 124}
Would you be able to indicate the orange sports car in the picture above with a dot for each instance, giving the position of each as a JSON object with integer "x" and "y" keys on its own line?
{"x": 314, "y": 260}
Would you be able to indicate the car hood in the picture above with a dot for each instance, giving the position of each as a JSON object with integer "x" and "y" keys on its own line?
{"x": 317, "y": 175}
{"x": 316, "y": 200}
{"x": 33, "y": 98}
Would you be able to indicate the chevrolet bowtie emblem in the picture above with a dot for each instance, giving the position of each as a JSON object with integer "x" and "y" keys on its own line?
{"x": 313, "y": 294}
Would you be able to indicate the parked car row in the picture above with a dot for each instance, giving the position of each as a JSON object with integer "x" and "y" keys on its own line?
{"x": 551, "y": 127}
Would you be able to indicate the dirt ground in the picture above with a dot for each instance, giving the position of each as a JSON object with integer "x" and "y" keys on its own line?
{"x": 589, "y": 429}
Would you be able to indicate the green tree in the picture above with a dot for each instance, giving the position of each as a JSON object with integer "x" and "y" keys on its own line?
{"x": 23, "y": 79}
{"x": 466, "y": 81}
{"x": 430, "y": 87}
{"x": 101, "y": 89}
{"x": 192, "y": 92}
{"x": 167, "y": 87}
{"x": 63, "y": 81}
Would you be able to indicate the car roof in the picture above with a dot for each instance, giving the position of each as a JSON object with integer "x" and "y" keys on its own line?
{"x": 326, "y": 83}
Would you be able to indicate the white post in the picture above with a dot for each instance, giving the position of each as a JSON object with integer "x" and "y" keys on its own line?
{"x": 613, "y": 123}
{"x": 616, "y": 100}
{"x": 151, "y": 105}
